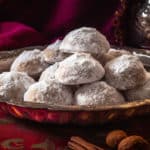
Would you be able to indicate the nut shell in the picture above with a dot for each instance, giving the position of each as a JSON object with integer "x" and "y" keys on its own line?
{"x": 134, "y": 143}
{"x": 114, "y": 137}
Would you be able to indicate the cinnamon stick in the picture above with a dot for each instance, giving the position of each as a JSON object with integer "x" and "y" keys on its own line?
{"x": 78, "y": 143}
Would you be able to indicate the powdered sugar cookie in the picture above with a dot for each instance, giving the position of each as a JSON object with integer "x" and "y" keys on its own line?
{"x": 31, "y": 62}
{"x": 139, "y": 93}
{"x": 52, "y": 53}
{"x": 98, "y": 93}
{"x": 125, "y": 72}
{"x": 51, "y": 93}
{"x": 85, "y": 39}
{"x": 113, "y": 53}
{"x": 49, "y": 73}
{"x": 79, "y": 68}
{"x": 13, "y": 85}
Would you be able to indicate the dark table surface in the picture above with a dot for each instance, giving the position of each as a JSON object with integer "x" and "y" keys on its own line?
{"x": 39, "y": 136}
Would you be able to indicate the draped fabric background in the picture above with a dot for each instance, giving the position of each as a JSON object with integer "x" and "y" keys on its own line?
{"x": 36, "y": 22}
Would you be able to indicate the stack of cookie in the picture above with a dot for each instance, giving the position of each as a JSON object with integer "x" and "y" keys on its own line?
{"x": 81, "y": 69}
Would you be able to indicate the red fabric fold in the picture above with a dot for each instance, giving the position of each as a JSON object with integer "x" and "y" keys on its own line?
{"x": 36, "y": 22}
{"x": 14, "y": 35}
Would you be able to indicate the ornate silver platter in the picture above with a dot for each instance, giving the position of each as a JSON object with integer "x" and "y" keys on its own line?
{"x": 73, "y": 114}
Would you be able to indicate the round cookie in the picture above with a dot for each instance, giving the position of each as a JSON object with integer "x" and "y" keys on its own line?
{"x": 79, "y": 68}
{"x": 49, "y": 73}
{"x": 31, "y": 62}
{"x": 118, "y": 52}
{"x": 52, "y": 53}
{"x": 54, "y": 46}
{"x": 98, "y": 93}
{"x": 125, "y": 72}
{"x": 85, "y": 39}
{"x": 113, "y": 53}
{"x": 52, "y": 93}
{"x": 13, "y": 85}
{"x": 139, "y": 93}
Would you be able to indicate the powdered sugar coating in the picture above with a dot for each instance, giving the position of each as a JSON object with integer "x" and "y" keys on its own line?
{"x": 114, "y": 53}
{"x": 51, "y": 93}
{"x": 125, "y": 72}
{"x": 111, "y": 54}
{"x": 118, "y": 52}
{"x": 31, "y": 62}
{"x": 13, "y": 85}
{"x": 49, "y": 73}
{"x": 98, "y": 93}
{"x": 52, "y": 53}
{"x": 139, "y": 93}
{"x": 79, "y": 68}
{"x": 85, "y": 39}
{"x": 55, "y": 45}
